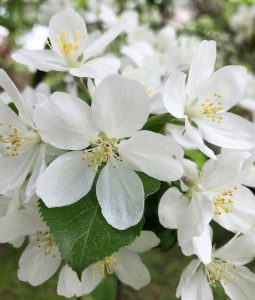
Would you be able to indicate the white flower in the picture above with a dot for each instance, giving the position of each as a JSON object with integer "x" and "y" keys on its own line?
{"x": 41, "y": 258}
{"x": 21, "y": 147}
{"x": 151, "y": 81}
{"x": 50, "y": 7}
{"x": 177, "y": 132}
{"x": 226, "y": 268}
{"x": 216, "y": 194}
{"x": 243, "y": 21}
{"x": 71, "y": 49}
{"x": 248, "y": 101}
{"x": 204, "y": 100}
{"x": 98, "y": 135}
{"x": 125, "y": 263}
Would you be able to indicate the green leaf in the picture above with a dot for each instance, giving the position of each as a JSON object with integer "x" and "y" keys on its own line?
{"x": 197, "y": 156}
{"x": 157, "y": 123}
{"x": 150, "y": 184}
{"x": 83, "y": 235}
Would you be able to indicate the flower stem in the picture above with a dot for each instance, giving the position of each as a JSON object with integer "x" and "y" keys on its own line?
{"x": 119, "y": 286}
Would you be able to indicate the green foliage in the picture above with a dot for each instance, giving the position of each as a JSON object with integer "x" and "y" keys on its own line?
{"x": 157, "y": 123}
{"x": 83, "y": 235}
{"x": 197, "y": 156}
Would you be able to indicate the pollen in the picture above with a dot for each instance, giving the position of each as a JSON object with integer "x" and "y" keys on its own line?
{"x": 11, "y": 139}
{"x": 210, "y": 108}
{"x": 101, "y": 150}
{"x": 218, "y": 271}
{"x": 14, "y": 141}
{"x": 224, "y": 202}
{"x": 68, "y": 48}
{"x": 149, "y": 90}
{"x": 45, "y": 241}
{"x": 105, "y": 266}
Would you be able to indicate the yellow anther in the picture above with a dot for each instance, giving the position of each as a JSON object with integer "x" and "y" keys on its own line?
{"x": 210, "y": 109}
{"x": 68, "y": 48}
{"x": 100, "y": 150}
{"x": 224, "y": 203}
{"x": 45, "y": 241}
{"x": 218, "y": 271}
{"x": 149, "y": 90}
{"x": 13, "y": 140}
{"x": 105, "y": 267}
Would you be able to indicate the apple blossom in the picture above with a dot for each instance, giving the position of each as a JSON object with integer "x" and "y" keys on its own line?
{"x": 98, "y": 135}
{"x": 216, "y": 193}
{"x": 204, "y": 100}
{"x": 21, "y": 147}
{"x": 125, "y": 263}
{"x": 71, "y": 49}
{"x": 226, "y": 268}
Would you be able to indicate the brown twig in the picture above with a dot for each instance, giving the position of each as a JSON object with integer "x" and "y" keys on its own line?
{"x": 119, "y": 286}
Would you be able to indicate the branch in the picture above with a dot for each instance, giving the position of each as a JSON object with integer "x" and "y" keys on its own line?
{"x": 119, "y": 286}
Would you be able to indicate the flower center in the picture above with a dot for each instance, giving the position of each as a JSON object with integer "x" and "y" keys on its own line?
{"x": 105, "y": 266}
{"x": 208, "y": 108}
{"x": 211, "y": 108}
{"x": 14, "y": 140}
{"x": 68, "y": 48}
{"x": 218, "y": 271}
{"x": 45, "y": 241}
{"x": 224, "y": 202}
{"x": 101, "y": 150}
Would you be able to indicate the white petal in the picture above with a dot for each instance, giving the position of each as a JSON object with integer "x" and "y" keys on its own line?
{"x": 44, "y": 60}
{"x": 154, "y": 154}
{"x": 70, "y": 22}
{"x": 194, "y": 220}
{"x": 171, "y": 207}
{"x": 177, "y": 132}
{"x": 201, "y": 68}
{"x": 8, "y": 116}
{"x": 20, "y": 223}
{"x": 197, "y": 288}
{"x": 65, "y": 122}
{"x": 10, "y": 88}
{"x": 224, "y": 172}
{"x": 91, "y": 277}
{"x": 245, "y": 244}
{"x": 242, "y": 217}
{"x": 195, "y": 135}
{"x": 68, "y": 282}
{"x": 14, "y": 170}
{"x": 175, "y": 95}
{"x": 144, "y": 242}
{"x": 186, "y": 276}
{"x": 38, "y": 167}
{"x": 97, "y": 68}
{"x": 241, "y": 285}
{"x": 105, "y": 39}
{"x": 233, "y": 132}
{"x": 120, "y": 194}
{"x": 35, "y": 266}
{"x": 203, "y": 245}
{"x": 229, "y": 82}
{"x": 120, "y": 106}
{"x": 66, "y": 180}
{"x": 130, "y": 269}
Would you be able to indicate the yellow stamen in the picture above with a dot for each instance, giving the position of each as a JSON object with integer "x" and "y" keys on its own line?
{"x": 211, "y": 108}
{"x": 105, "y": 266}
{"x": 218, "y": 271}
{"x": 68, "y": 48}
{"x": 101, "y": 150}
{"x": 224, "y": 203}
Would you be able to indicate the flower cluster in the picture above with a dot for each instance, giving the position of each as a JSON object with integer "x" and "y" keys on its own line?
{"x": 61, "y": 149}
